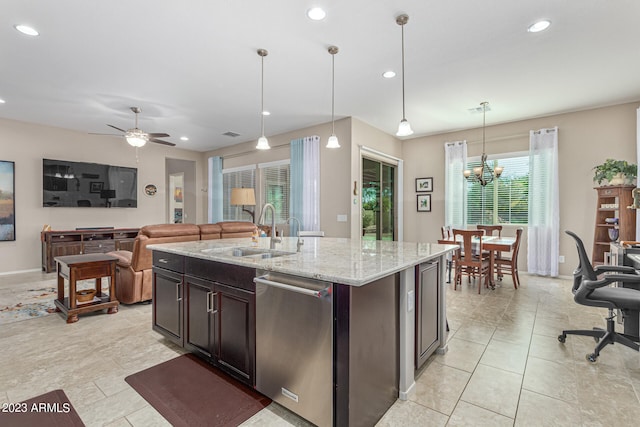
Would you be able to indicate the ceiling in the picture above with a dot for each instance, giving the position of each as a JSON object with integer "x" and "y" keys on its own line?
{"x": 193, "y": 69}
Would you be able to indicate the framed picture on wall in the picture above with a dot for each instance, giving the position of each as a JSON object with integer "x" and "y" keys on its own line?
{"x": 96, "y": 186}
{"x": 424, "y": 202}
{"x": 424, "y": 184}
{"x": 7, "y": 201}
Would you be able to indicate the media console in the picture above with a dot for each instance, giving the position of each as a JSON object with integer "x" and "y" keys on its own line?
{"x": 84, "y": 241}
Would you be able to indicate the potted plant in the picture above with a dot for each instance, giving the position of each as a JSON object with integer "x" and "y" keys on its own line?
{"x": 615, "y": 172}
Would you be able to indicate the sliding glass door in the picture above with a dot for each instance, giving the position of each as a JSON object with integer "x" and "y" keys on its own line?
{"x": 378, "y": 200}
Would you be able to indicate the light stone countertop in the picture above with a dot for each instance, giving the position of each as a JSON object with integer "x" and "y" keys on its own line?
{"x": 337, "y": 260}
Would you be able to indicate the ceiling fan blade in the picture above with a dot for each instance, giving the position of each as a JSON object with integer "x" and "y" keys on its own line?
{"x": 158, "y": 135}
{"x": 109, "y": 134}
{"x": 159, "y": 141}
{"x": 117, "y": 128}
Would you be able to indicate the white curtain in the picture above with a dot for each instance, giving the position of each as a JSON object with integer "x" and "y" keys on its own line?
{"x": 305, "y": 183}
{"x": 455, "y": 157}
{"x": 638, "y": 185}
{"x": 544, "y": 203}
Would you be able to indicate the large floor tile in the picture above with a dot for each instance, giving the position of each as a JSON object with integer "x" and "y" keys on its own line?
{"x": 552, "y": 379}
{"x": 468, "y": 415}
{"x": 536, "y": 410}
{"x": 506, "y": 356}
{"x": 439, "y": 387}
{"x": 494, "y": 389}
{"x": 462, "y": 354}
{"x": 411, "y": 414}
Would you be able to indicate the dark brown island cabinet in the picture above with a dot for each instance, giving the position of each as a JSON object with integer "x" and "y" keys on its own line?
{"x": 209, "y": 309}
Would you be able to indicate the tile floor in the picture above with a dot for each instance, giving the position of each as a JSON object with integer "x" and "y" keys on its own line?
{"x": 504, "y": 365}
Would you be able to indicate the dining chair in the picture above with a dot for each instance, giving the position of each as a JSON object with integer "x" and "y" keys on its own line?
{"x": 470, "y": 260}
{"x": 489, "y": 229}
{"x": 509, "y": 265}
{"x": 447, "y": 236}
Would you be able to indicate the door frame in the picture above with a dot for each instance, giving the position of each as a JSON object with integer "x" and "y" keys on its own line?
{"x": 374, "y": 154}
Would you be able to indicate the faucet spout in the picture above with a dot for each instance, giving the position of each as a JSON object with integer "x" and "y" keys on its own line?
{"x": 274, "y": 238}
{"x": 300, "y": 242}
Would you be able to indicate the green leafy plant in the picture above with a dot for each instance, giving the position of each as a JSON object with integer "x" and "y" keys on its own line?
{"x": 611, "y": 168}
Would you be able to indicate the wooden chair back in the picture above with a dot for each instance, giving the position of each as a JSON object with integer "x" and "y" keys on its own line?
{"x": 469, "y": 253}
{"x": 490, "y": 229}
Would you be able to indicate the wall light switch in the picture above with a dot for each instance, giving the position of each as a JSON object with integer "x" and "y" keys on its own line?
{"x": 411, "y": 301}
{"x": 342, "y": 218}
{"x": 561, "y": 259}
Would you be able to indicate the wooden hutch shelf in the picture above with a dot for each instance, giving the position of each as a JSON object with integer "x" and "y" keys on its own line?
{"x": 87, "y": 241}
{"x": 613, "y": 202}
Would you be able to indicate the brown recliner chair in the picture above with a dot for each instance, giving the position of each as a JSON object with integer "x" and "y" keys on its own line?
{"x": 133, "y": 270}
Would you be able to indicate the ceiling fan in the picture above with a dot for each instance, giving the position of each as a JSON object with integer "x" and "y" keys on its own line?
{"x": 137, "y": 137}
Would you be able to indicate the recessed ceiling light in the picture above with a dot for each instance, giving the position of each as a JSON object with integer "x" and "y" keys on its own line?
{"x": 25, "y": 29}
{"x": 316, "y": 14}
{"x": 184, "y": 138}
{"x": 389, "y": 74}
{"x": 266, "y": 113}
{"x": 539, "y": 26}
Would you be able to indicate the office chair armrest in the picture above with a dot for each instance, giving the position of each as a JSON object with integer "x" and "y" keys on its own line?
{"x": 618, "y": 268}
{"x": 611, "y": 278}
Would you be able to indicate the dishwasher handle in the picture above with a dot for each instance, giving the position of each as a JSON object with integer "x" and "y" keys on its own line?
{"x": 322, "y": 293}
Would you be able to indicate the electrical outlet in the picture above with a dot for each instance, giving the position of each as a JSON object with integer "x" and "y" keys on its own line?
{"x": 561, "y": 259}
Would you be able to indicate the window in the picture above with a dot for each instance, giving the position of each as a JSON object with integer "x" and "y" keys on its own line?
{"x": 236, "y": 178}
{"x": 505, "y": 200}
{"x": 275, "y": 188}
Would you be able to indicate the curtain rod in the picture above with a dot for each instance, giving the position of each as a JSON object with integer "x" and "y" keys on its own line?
{"x": 499, "y": 138}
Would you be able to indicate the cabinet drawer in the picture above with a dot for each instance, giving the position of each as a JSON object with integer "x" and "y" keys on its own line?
{"x": 168, "y": 261}
{"x": 99, "y": 246}
{"x": 228, "y": 274}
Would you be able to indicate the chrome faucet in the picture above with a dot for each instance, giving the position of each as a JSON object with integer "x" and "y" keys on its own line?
{"x": 300, "y": 241}
{"x": 274, "y": 238}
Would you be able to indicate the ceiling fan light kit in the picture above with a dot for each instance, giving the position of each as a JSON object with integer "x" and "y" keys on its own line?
{"x": 137, "y": 137}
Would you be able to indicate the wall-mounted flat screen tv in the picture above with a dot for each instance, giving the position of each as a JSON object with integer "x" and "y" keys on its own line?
{"x": 79, "y": 184}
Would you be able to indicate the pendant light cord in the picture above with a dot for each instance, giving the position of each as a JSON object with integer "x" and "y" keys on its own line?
{"x": 333, "y": 84}
{"x": 403, "y": 112}
{"x": 262, "y": 96}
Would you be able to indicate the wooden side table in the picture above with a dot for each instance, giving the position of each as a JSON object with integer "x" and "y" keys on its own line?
{"x": 82, "y": 267}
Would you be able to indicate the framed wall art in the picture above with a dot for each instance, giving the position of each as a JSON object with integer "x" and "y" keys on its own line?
{"x": 96, "y": 186}
{"x": 7, "y": 201}
{"x": 424, "y": 202}
{"x": 424, "y": 184}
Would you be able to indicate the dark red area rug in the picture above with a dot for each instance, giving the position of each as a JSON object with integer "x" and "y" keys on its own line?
{"x": 188, "y": 391}
{"x": 51, "y": 409}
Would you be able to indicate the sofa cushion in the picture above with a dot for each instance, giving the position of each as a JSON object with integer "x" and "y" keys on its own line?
{"x": 236, "y": 229}
{"x": 170, "y": 230}
{"x": 210, "y": 231}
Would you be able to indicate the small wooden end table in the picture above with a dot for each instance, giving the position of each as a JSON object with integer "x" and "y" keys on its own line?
{"x": 82, "y": 267}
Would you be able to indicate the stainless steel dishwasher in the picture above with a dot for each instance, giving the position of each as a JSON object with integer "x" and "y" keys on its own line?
{"x": 294, "y": 344}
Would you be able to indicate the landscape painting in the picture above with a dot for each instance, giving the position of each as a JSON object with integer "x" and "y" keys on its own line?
{"x": 7, "y": 201}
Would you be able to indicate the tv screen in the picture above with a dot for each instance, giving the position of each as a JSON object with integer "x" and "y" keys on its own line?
{"x": 78, "y": 184}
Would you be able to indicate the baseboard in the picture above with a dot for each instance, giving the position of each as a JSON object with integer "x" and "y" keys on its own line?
{"x": 405, "y": 395}
{"x": 6, "y": 273}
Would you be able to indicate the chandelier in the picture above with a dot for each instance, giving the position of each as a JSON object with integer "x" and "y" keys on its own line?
{"x": 483, "y": 174}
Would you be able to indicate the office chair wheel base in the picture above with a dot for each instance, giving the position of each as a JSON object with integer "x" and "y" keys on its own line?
{"x": 562, "y": 338}
{"x": 592, "y": 357}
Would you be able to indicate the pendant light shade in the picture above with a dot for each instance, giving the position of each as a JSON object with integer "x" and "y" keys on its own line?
{"x": 333, "y": 142}
{"x": 404, "y": 128}
{"x": 263, "y": 143}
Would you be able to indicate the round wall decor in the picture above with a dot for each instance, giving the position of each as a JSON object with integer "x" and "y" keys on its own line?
{"x": 150, "y": 190}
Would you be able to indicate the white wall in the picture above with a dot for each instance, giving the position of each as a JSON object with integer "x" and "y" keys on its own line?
{"x": 27, "y": 144}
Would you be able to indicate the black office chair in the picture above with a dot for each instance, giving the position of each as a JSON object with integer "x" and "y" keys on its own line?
{"x": 589, "y": 289}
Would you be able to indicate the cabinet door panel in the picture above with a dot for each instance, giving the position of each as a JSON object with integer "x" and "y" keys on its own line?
{"x": 237, "y": 330}
{"x": 200, "y": 316}
{"x": 167, "y": 304}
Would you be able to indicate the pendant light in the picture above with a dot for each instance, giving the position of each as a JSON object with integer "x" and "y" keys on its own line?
{"x": 333, "y": 139}
{"x": 404, "y": 128}
{"x": 483, "y": 174}
{"x": 263, "y": 143}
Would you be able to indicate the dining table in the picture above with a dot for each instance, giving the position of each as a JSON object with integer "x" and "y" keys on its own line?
{"x": 493, "y": 244}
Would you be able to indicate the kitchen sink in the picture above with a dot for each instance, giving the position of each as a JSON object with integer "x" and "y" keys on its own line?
{"x": 256, "y": 253}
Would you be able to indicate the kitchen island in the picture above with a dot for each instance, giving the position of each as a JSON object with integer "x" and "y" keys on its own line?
{"x": 364, "y": 291}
